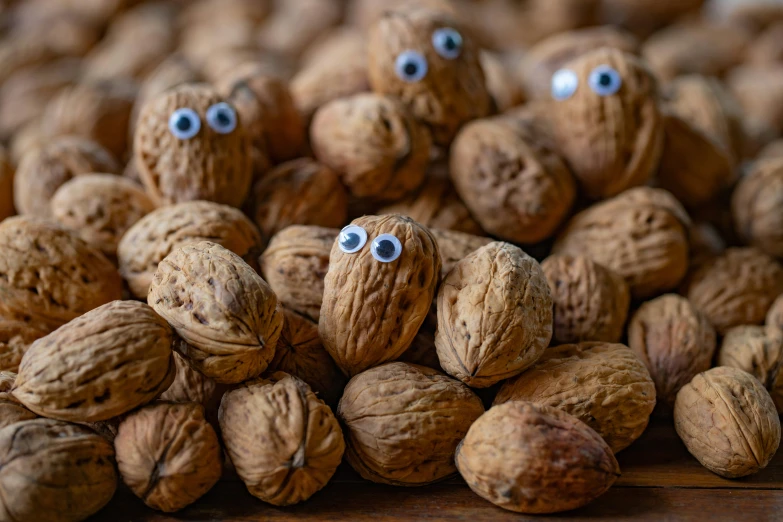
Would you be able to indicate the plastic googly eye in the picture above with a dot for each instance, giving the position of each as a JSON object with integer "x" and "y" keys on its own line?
{"x": 564, "y": 84}
{"x": 411, "y": 66}
{"x": 447, "y": 42}
{"x": 386, "y": 248}
{"x": 184, "y": 123}
{"x": 222, "y": 118}
{"x": 605, "y": 81}
{"x": 352, "y": 238}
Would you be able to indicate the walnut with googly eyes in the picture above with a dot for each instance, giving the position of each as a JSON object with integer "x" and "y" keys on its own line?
{"x": 190, "y": 145}
{"x": 382, "y": 275}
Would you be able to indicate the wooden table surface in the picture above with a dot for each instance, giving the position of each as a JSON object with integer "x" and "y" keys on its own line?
{"x": 660, "y": 482}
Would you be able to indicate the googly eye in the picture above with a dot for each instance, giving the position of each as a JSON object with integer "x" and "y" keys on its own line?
{"x": 564, "y": 84}
{"x": 386, "y": 248}
{"x": 222, "y": 118}
{"x": 184, "y": 123}
{"x": 447, "y": 42}
{"x": 604, "y": 80}
{"x": 351, "y": 239}
{"x": 411, "y": 66}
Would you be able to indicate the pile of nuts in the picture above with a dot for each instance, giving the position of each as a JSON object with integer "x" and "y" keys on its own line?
{"x": 435, "y": 238}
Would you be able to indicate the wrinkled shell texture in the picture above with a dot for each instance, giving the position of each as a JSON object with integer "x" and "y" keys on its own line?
{"x": 209, "y": 166}
{"x": 757, "y": 350}
{"x": 641, "y": 234}
{"x": 51, "y": 471}
{"x": 535, "y": 459}
{"x": 674, "y": 340}
{"x": 103, "y": 364}
{"x": 303, "y": 440}
{"x": 168, "y": 455}
{"x": 623, "y": 131}
{"x": 157, "y": 234}
{"x": 227, "y": 315}
{"x": 590, "y": 301}
{"x": 15, "y": 338}
{"x": 403, "y": 423}
{"x": 455, "y": 246}
{"x": 757, "y": 207}
{"x": 775, "y": 313}
{"x": 494, "y": 315}
{"x": 12, "y": 411}
{"x": 372, "y": 310}
{"x": 189, "y": 385}
{"x": 728, "y": 421}
{"x": 604, "y": 385}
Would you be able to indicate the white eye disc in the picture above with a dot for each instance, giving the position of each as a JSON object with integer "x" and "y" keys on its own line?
{"x": 386, "y": 248}
{"x": 351, "y": 239}
{"x": 604, "y": 80}
{"x": 222, "y": 118}
{"x": 447, "y": 42}
{"x": 564, "y": 84}
{"x": 411, "y": 66}
{"x": 184, "y": 123}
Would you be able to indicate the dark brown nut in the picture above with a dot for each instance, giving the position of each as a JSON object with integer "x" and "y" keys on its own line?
{"x": 494, "y": 315}
{"x": 759, "y": 91}
{"x": 100, "y": 365}
{"x": 7, "y": 380}
{"x": 775, "y": 313}
{"x": 227, "y": 315}
{"x": 757, "y": 207}
{"x": 189, "y": 385}
{"x": 6, "y": 186}
{"x": 304, "y": 441}
{"x": 48, "y": 276}
{"x": 157, "y": 234}
{"x": 705, "y": 244}
{"x": 379, "y": 151}
{"x": 383, "y": 272}
{"x": 168, "y": 455}
{"x": 42, "y": 170}
{"x": 595, "y": 96}
{"x": 52, "y": 471}
{"x": 427, "y": 59}
{"x": 728, "y": 421}
{"x": 590, "y": 301}
{"x": 403, "y": 423}
{"x": 15, "y": 338}
{"x": 422, "y": 350}
{"x": 298, "y": 192}
{"x": 296, "y": 23}
{"x": 535, "y": 459}
{"x": 604, "y": 385}
{"x": 674, "y": 340}
{"x": 757, "y": 350}
{"x": 511, "y": 180}
{"x": 503, "y": 87}
{"x": 736, "y": 288}
{"x": 455, "y": 246}
{"x": 190, "y": 145}
{"x": 642, "y": 234}
{"x": 100, "y": 208}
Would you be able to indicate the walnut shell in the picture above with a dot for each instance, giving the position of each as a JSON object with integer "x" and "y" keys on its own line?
{"x": 759, "y": 90}
{"x": 372, "y": 310}
{"x": 157, "y": 234}
{"x": 293, "y": 25}
{"x": 504, "y": 88}
{"x": 189, "y": 385}
{"x": 11, "y": 410}
{"x": 304, "y": 441}
{"x": 757, "y": 207}
{"x": 728, "y": 421}
{"x": 757, "y": 350}
{"x": 168, "y": 455}
{"x": 15, "y": 338}
{"x": 604, "y": 385}
{"x": 775, "y": 313}
{"x": 674, "y": 340}
{"x": 403, "y": 423}
{"x": 535, "y": 459}
{"x": 6, "y": 186}
{"x": 52, "y": 471}
{"x": 455, "y": 246}
{"x": 227, "y": 315}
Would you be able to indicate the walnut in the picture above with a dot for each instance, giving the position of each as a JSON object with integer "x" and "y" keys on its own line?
{"x": 503, "y": 87}
{"x": 294, "y": 24}
{"x": 766, "y": 49}
{"x": 759, "y": 90}
{"x": 52, "y": 471}
{"x": 604, "y": 385}
{"x": 757, "y": 207}
{"x": 403, "y": 423}
{"x": 304, "y": 441}
{"x": 383, "y": 271}
{"x": 455, "y": 246}
{"x": 168, "y": 455}
{"x": 189, "y": 385}
{"x": 15, "y": 338}
{"x": 11, "y": 410}
{"x": 645, "y": 16}
{"x": 7, "y": 380}
{"x": 772, "y": 150}
{"x": 728, "y": 421}
{"x": 6, "y": 186}
{"x": 535, "y": 459}
{"x": 775, "y": 313}
{"x": 227, "y": 315}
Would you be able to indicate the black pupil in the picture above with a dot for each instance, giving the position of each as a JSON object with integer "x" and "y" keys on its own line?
{"x": 450, "y": 43}
{"x": 183, "y": 123}
{"x": 223, "y": 118}
{"x": 605, "y": 80}
{"x": 384, "y": 248}
{"x": 350, "y": 240}
{"x": 411, "y": 69}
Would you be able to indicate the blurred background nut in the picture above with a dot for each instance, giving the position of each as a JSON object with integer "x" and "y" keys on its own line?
{"x": 455, "y": 246}
{"x": 757, "y": 207}
{"x": 502, "y": 84}
{"x": 294, "y": 24}
{"x": 189, "y": 385}
{"x": 15, "y": 338}
{"x": 775, "y": 313}
{"x": 759, "y": 90}
{"x": 767, "y": 47}
{"x": 6, "y": 186}
{"x": 645, "y": 16}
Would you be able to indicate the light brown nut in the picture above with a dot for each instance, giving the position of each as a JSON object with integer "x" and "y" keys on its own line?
{"x": 227, "y": 315}
{"x": 48, "y": 276}
{"x": 157, "y": 234}
{"x": 590, "y": 301}
{"x": 100, "y": 365}
{"x": 442, "y": 84}
{"x": 189, "y": 385}
{"x": 52, "y": 471}
{"x": 455, "y": 246}
{"x": 214, "y": 164}
{"x": 11, "y": 410}
{"x": 674, "y": 340}
{"x": 6, "y": 186}
{"x": 100, "y": 208}
{"x": 759, "y": 91}
{"x": 373, "y": 308}
{"x": 757, "y": 207}
{"x": 535, "y": 459}
{"x": 168, "y": 455}
{"x": 494, "y": 315}
{"x": 736, "y": 288}
{"x": 604, "y": 385}
{"x": 775, "y": 313}
{"x": 403, "y": 423}
{"x": 304, "y": 441}
{"x": 610, "y": 133}
{"x": 379, "y": 151}
{"x": 757, "y": 350}
{"x": 642, "y": 234}
{"x": 504, "y": 88}
{"x": 42, "y": 170}
{"x": 728, "y": 421}
{"x": 766, "y": 48}
{"x": 772, "y": 150}
{"x": 15, "y": 338}
{"x": 294, "y": 24}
